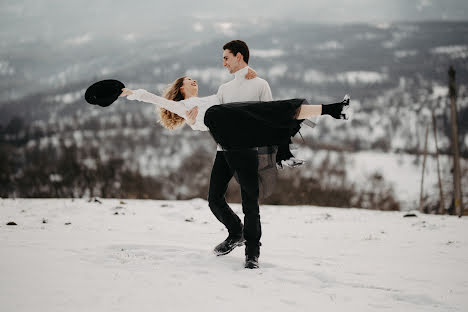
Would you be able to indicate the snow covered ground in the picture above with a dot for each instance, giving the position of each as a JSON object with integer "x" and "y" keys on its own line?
{"x": 145, "y": 255}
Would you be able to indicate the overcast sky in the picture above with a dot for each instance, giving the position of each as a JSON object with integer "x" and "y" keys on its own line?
{"x": 35, "y": 16}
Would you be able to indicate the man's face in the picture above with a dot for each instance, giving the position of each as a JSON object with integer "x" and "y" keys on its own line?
{"x": 230, "y": 61}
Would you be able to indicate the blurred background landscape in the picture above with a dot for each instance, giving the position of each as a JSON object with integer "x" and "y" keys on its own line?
{"x": 392, "y": 59}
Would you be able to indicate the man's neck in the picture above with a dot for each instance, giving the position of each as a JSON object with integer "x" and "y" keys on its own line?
{"x": 241, "y": 72}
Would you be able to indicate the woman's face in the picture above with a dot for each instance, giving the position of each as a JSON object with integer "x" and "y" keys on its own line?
{"x": 189, "y": 87}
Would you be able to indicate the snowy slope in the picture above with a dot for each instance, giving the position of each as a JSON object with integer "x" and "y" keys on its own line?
{"x": 156, "y": 256}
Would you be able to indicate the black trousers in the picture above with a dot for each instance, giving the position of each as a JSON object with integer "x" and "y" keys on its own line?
{"x": 244, "y": 163}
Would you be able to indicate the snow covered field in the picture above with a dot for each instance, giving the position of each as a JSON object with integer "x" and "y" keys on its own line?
{"x": 145, "y": 255}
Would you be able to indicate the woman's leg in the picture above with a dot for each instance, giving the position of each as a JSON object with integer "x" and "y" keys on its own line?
{"x": 335, "y": 110}
{"x": 308, "y": 111}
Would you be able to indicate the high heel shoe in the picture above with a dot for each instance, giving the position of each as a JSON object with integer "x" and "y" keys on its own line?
{"x": 338, "y": 110}
{"x": 346, "y": 111}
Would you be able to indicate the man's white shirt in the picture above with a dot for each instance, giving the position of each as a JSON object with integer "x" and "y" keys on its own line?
{"x": 241, "y": 89}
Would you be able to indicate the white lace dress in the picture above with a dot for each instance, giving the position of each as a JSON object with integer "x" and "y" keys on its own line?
{"x": 179, "y": 107}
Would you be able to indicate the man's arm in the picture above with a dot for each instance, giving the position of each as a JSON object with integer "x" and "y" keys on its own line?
{"x": 220, "y": 94}
{"x": 265, "y": 92}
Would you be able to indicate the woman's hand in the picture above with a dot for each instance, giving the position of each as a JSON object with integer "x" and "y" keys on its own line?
{"x": 192, "y": 115}
{"x": 251, "y": 74}
{"x": 126, "y": 91}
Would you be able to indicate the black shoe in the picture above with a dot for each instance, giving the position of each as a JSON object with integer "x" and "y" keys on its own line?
{"x": 346, "y": 99}
{"x": 252, "y": 252}
{"x": 338, "y": 110}
{"x": 345, "y": 110}
{"x": 251, "y": 262}
{"x": 228, "y": 245}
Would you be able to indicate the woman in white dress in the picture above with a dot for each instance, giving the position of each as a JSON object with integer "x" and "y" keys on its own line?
{"x": 234, "y": 125}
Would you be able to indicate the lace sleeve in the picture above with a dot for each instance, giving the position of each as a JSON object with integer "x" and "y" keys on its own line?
{"x": 148, "y": 97}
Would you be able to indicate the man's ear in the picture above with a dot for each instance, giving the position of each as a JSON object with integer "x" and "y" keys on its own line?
{"x": 239, "y": 57}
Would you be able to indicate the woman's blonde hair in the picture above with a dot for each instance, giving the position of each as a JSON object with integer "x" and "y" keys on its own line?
{"x": 169, "y": 119}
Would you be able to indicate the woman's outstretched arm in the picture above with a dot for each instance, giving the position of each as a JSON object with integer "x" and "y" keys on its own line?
{"x": 142, "y": 95}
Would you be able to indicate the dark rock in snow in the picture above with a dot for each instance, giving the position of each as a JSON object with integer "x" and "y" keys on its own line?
{"x": 409, "y": 215}
{"x": 95, "y": 200}
{"x": 11, "y": 223}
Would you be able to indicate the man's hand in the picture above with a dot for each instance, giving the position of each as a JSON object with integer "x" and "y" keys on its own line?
{"x": 192, "y": 115}
{"x": 126, "y": 92}
{"x": 251, "y": 74}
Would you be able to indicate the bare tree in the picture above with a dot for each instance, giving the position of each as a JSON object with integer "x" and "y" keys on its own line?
{"x": 457, "y": 200}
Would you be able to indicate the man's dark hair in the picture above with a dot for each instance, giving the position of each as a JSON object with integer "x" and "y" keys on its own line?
{"x": 238, "y": 46}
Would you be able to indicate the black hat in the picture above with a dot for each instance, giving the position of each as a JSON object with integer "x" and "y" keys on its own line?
{"x": 104, "y": 92}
